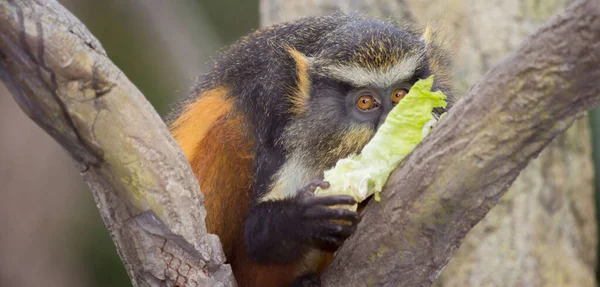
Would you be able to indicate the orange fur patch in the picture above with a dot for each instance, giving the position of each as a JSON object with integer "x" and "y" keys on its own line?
{"x": 197, "y": 117}
{"x": 301, "y": 92}
{"x": 427, "y": 34}
{"x": 220, "y": 152}
{"x": 215, "y": 140}
{"x": 223, "y": 162}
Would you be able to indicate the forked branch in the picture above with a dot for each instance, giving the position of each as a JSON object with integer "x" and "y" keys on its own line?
{"x": 150, "y": 201}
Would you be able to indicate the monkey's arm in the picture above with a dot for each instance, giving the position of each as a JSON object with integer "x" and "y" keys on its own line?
{"x": 281, "y": 231}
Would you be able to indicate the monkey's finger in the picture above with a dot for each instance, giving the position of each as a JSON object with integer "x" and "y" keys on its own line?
{"x": 346, "y": 231}
{"x": 332, "y": 240}
{"x": 312, "y": 186}
{"x": 333, "y": 200}
{"x": 338, "y": 230}
{"x": 321, "y": 212}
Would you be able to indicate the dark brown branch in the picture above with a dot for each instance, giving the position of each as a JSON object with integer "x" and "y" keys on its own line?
{"x": 143, "y": 186}
{"x": 466, "y": 164}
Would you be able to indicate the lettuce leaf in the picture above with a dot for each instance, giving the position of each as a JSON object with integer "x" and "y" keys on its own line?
{"x": 361, "y": 175}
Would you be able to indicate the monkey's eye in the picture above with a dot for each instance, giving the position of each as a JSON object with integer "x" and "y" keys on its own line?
{"x": 366, "y": 102}
{"x": 398, "y": 95}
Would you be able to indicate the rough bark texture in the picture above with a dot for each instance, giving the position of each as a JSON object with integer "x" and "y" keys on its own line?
{"x": 544, "y": 231}
{"x": 434, "y": 198}
{"x": 146, "y": 193}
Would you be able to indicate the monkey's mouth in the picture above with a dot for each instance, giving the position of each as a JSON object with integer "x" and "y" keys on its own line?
{"x": 428, "y": 127}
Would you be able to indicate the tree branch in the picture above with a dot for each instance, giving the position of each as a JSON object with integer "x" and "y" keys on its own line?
{"x": 458, "y": 173}
{"x": 144, "y": 188}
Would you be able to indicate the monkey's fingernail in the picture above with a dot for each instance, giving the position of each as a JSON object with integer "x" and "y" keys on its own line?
{"x": 324, "y": 184}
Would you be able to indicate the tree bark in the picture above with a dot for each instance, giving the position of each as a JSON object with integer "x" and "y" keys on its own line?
{"x": 543, "y": 231}
{"x": 144, "y": 188}
{"x": 550, "y": 208}
{"x": 150, "y": 200}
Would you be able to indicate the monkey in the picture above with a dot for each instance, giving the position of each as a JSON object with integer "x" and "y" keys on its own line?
{"x": 277, "y": 108}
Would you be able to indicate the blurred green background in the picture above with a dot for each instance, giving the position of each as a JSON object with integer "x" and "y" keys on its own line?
{"x": 161, "y": 46}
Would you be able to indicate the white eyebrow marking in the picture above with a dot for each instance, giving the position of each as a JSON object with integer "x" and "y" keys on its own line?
{"x": 362, "y": 76}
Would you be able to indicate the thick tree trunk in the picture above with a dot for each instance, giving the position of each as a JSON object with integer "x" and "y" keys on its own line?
{"x": 543, "y": 232}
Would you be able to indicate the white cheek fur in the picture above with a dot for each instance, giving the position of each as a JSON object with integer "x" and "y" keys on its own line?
{"x": 292, "y": 176}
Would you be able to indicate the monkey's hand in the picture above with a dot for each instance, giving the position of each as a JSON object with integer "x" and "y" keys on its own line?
{"x": 317, "y": 218}
{"x": 281, "y": 231}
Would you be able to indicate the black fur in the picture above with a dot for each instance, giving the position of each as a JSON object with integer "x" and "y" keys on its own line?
{"x": 308, "y": 280}
{"x": 279, "y": 232}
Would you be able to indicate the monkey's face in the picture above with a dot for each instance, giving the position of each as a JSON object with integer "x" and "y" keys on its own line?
{"x": 362, "y": 72}
{"x": 340, "y": 118}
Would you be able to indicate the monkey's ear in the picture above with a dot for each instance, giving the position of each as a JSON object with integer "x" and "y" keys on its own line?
{"x": 299, "y": 98}
{"x": 427, "y": 34}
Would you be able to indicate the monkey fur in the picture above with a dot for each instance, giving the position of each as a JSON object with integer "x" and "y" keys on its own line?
{"x": 278, "y": 108}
